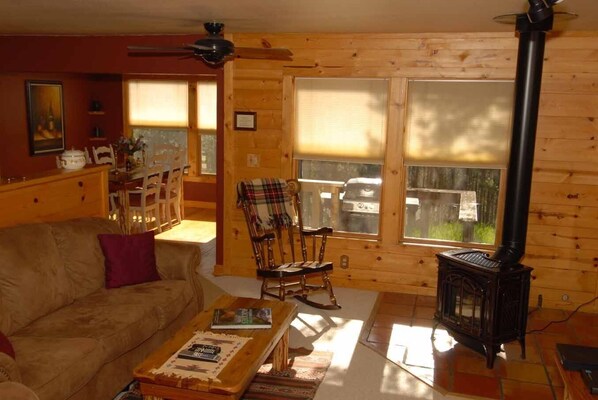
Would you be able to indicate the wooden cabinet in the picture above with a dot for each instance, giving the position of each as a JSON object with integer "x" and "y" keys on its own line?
{"x": 55, "y": 195}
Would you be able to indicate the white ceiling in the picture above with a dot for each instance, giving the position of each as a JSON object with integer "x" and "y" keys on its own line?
{"x": 99, "y": 17}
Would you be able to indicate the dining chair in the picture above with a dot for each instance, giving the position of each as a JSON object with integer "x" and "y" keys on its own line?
{"x": 103, "y": 155}
{"x": 171, "y": 193}
{"x": 143, "y": 203}
{"x": 285, "y": 252}
{"x": 87, "y": 157}
{"x": 114, "y": 206}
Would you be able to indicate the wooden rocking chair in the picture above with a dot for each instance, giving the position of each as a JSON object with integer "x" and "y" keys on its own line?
{"x": 272, "y": 211}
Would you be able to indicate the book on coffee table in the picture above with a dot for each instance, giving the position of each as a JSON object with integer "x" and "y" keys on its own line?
{"x": 201, "y": 352}
{"x": 242, "y": 318}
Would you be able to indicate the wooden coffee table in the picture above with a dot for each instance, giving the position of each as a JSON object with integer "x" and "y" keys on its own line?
{"x": 240, "y": 370}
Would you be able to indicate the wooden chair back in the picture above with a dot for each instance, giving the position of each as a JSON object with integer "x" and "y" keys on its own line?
{"x": 103, "y": 155}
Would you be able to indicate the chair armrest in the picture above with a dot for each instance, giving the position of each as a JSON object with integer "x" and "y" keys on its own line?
{"x": 16, "y": 391}
{"x": 180, "y": 261}
{"x": 315, "y": 232}
{"x": 9, "y": 371}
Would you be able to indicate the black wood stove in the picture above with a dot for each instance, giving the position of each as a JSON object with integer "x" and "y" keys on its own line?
{"x": 482, "y": 300}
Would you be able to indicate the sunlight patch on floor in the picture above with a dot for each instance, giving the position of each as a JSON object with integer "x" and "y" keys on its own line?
{"x": 333, "y": 334}
{"x": 401, "y": 383}
{"x": 190, "y": 231}
{"x": 414, "y": 349}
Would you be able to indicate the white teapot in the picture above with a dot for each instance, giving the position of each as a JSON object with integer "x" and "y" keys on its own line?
{"x": 72, "y": 159}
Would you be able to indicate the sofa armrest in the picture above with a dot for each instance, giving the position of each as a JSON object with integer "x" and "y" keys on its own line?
{"x": 16, "y": 391}
{"x": 9, "y": 371}
{"x": 180, "y": 261}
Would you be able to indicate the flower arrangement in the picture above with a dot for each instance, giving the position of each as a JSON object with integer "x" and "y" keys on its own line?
{"x": 130, "y": 145}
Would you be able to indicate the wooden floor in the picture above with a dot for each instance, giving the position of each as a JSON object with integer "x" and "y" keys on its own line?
{"x": 401, "y": 327}
{"x": 198, "y": 226}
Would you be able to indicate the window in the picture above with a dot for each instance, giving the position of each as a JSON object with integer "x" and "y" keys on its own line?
{"x": 339, "y": 143}
{"x": 455, "y": 151}
{"x": 206, "y": 123}
{"x": 158, "y": 110}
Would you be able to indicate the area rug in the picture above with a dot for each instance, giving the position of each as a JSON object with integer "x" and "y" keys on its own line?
{"x": 299, "y": 382}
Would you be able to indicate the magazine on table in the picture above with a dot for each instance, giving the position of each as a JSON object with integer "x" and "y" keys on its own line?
{"x": 242, "y": 318}
{"x": 201, "y": 352}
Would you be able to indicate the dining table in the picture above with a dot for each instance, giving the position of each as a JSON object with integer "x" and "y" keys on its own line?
{"x": 121, "y": 180}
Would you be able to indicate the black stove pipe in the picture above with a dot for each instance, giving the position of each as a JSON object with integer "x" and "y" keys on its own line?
{"x": 528, "y": 80}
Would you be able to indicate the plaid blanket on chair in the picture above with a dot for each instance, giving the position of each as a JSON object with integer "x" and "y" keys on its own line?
{"x": 268, "y": 201}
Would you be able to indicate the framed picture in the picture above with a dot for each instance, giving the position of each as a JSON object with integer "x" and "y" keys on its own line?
{"x": 45, "y": 117}
{"x": 245, "y": 121}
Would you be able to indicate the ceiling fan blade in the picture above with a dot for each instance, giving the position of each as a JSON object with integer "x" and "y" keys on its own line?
{"x": 269, "y": 54}
{"x": 154, "y": 49}
{"x": 198, "y": 47}
{"x": 511, "y": 19}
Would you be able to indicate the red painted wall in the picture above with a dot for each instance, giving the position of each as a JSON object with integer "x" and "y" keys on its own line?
{"x": 90, "y": 67}
{"x": 78, "y": 90}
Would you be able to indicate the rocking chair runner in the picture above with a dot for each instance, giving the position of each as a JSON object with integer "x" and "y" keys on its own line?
{"x": 272, "y": 211}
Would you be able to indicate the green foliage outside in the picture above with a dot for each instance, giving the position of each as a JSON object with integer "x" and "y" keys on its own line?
{"x": 483, "y": 233}
{"x": 453, "y": 231}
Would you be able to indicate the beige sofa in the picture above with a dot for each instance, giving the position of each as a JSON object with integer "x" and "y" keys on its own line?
{"x": 73, "y": 338}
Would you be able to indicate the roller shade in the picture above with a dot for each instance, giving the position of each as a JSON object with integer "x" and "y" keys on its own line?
{"x": 158, "y": 103}
{"x": 206, "y": 105}
{"x": 459, "y": 122}
{"x": 340, "y": 119}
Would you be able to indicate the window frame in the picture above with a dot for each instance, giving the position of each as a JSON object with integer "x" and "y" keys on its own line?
{"x": 394, "y": 171}
{"x": 289, "y": 107}
{"x": 404, "y": 170}
{"x": 193, "y": 132}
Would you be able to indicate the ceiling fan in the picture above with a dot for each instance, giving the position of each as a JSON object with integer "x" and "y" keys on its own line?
{"x": 215, "y": 49}
{"x": 539, "y": 10}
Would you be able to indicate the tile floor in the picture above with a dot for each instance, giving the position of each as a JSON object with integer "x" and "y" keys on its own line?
{"x": 401, "y": 329}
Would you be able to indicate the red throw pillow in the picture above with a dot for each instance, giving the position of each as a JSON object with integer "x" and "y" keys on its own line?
{"x": 6, "y": 346}
{"x": 129, "y": 259}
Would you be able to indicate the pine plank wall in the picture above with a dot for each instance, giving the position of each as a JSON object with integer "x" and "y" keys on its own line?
{"x": 562, "y": 240}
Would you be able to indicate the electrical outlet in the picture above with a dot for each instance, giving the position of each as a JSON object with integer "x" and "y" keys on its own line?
{"x": 253, "y": 160}
{"x": 540, "y": 301}
{"x": 344, "y": 261}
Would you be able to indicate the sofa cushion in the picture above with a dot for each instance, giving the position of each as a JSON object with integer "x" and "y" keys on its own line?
{"x": 57, "y": 367}
{"x": 9, "y": 370}
{"x": 16, "y": 391}
{"x": 79, "y": 248}
{"x": 129, "y": 259}
{"x": 6, "y": 346}
{"x": 33, "y": 280}
{"x": 120, "y": 319}
{"x": 168, "y": 298}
